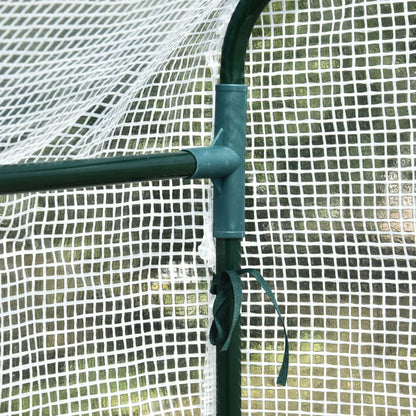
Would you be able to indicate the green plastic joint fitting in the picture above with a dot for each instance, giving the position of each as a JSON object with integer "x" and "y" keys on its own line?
{"x": 224, "y": 161}
{"x": 215, "y": 162}
{"x": 229, "y": 203}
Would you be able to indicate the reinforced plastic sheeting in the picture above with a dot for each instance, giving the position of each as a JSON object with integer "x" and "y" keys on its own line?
{"x": 104, "y": 291}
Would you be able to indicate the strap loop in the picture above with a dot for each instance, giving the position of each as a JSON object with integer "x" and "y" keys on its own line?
{"x": 223, "y": 284}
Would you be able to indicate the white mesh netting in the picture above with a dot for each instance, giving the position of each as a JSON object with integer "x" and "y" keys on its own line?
{"x": 331, "y": 206}
{"x": 104, "y": 305}
{"x": 104, "y": 298}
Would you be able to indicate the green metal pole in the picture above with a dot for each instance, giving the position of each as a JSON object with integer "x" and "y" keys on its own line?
{"x": 233, "y": 54}
{"x": 92, "y": 172}
{"x": 229, "y": 362}
{"x": 228, "y": 250}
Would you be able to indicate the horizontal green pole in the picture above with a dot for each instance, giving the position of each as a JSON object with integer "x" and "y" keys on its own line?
{"x": 94, "y": 172}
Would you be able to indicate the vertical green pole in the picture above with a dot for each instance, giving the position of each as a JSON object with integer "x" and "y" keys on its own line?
{"x": 228, "y": 250}
{"x": 229, "y": 362}
{"x": 229, "y": 227}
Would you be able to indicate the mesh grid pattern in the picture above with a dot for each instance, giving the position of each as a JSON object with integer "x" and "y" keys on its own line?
{"x": 104, "y": 298}
{"x": 104, "y": 306}
{"x": 331, "y": 215}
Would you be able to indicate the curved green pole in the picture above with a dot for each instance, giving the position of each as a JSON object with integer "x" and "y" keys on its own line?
{"x": 233, "y": 55}
{"x": 228, "y": 250}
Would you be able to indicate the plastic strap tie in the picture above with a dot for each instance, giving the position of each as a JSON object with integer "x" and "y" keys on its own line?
{"x": 223, "y": 284}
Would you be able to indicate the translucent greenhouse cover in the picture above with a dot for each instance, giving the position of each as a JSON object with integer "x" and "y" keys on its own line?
{"x": 104, "y": 292}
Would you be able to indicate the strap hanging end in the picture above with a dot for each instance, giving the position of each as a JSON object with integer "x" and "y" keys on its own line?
{"x": 284, "y": 370}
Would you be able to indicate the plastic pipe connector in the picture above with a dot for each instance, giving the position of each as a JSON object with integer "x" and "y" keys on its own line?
{"x": 224, "y": 161}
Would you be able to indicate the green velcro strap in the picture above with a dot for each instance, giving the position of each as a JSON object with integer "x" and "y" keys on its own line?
{"x": 230, "y": 281}
{"x": 284, "y": 369}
